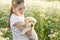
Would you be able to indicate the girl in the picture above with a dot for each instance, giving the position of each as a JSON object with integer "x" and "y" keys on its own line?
{"x": 16, "y": 18}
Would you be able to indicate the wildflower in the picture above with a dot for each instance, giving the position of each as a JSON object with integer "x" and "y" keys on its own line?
{"x": 42, "y": 15}
{"x": 1, "y": 33}
{"x": 6, "y": 38}
{"x": 6, "y": 29}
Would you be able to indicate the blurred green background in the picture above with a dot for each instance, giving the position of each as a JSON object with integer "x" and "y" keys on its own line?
{"x": 47, "y": 13}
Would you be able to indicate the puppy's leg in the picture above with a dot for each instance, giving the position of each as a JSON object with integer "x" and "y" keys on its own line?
{"x": 25, "y": 30}
{"x": 34, "y": 35}
{"x": 31, "y": 34}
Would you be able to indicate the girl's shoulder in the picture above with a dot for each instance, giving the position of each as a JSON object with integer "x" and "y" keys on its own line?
{"x": 15, "y": 16}
{"x": 12, "y": 15}
{"x": 14, "y": 19}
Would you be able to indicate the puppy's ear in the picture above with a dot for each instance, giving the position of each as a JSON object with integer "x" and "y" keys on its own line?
{"x": 25, "y": 19}
{"x": 35, "y": 20}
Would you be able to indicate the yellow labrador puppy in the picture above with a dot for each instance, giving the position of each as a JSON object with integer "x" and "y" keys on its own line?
{"x": 30, "y": 22}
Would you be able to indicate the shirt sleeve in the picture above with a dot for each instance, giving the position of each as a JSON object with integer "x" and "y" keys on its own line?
{"x": 14, "y": 19}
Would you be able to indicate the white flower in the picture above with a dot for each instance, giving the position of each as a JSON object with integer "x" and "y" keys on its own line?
{"x": 51, "y": 35}
{"x": 42, "y": 15}
{"x": 51, "y": 31}
{"x": 6, "y": 29}
{"x": 59, "y": 38}
{"x": 2, "y": 29}
{"x": 6, "y": 38}
{"x": 49, "y": 21}
{"x": 46, "y": 18}
{"x": 1, "y": 33}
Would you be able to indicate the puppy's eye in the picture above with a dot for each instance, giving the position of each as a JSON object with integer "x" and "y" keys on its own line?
{"x": 33, "y": 22}
{"x": 29, "y": 21}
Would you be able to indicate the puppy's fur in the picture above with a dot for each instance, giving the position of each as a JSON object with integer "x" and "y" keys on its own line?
{"x": 30, "y": 22}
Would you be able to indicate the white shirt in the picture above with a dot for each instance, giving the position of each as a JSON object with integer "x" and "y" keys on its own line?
{"x": 16, "y": 33}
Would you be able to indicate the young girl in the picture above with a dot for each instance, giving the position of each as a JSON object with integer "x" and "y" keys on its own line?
{"x": 16, "y": 18}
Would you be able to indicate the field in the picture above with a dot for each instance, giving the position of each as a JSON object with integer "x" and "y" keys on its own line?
{"x": 47, "y": 14}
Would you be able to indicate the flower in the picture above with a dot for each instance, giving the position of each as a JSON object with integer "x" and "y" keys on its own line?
{"x": 1, "y": 33}
{"x": 5, "y": 38}
{"x": 42, "y": 15}
{"x": 6, "y": 29}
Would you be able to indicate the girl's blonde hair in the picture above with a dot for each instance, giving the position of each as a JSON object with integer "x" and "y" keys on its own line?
{"x": 15, "y": 3}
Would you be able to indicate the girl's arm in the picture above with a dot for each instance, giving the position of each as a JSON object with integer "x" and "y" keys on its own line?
{"x": 19, "y": 26}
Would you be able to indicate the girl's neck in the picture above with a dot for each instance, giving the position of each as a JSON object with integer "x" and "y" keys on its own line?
{"x": 18, "y": 14}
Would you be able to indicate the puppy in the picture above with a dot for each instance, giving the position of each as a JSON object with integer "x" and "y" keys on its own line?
{"x": 30, "y": 22}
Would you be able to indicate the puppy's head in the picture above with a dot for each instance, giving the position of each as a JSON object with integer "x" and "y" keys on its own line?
{"x": 30, "y": 21}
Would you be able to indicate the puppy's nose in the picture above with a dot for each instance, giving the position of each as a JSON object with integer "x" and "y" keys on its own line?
{"x": 31, "y": 25}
